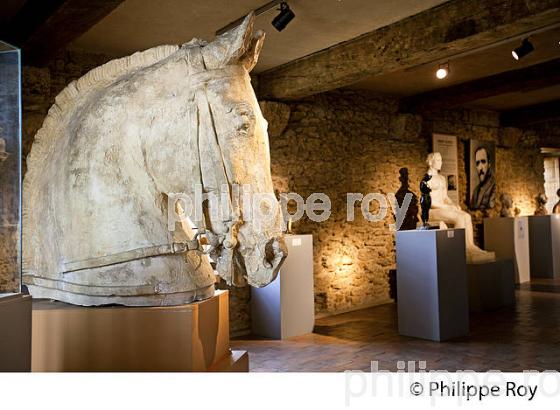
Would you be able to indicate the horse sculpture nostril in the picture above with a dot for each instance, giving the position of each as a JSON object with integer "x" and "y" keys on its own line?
{"x": 269, "y": 254}
{"x": 275, "y": 252}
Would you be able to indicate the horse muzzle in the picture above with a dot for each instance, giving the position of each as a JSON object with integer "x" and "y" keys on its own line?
{"x": 275, "y": 252}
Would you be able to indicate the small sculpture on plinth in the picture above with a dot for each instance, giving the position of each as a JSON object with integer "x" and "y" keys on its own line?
{"x": 411, "y": 218}
{"x": 556, "y": 209}
{"x": 507, "y": 206}
{"x": 541, "y": 205}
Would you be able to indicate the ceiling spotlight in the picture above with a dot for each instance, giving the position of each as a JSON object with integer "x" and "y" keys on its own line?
{"x": 525, "y": 48}
{"x": 442, "y": 71}
{"x": 286, "y": 15}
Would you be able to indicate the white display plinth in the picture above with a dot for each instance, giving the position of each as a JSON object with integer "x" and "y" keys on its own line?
{"x": 432, "y": 284}
{"x": 491, "y": 285}
{"x": 509, "y": 239}
{"x": 544, "y": 246}
{"x": 15, "y": 332}
{"x": 285, "y": 307}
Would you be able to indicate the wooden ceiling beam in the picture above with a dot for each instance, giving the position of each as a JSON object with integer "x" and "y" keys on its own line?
{"x": 521, "y": 80}
{"x": 43, "y": 27}
{"x": 534, "y": 114}
{"x": 454, "y": 27}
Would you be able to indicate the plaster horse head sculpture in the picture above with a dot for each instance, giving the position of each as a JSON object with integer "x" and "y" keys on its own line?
{"x": 116, "y": 147}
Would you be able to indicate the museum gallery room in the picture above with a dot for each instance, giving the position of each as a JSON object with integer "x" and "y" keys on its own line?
{"x": 283, "y": 186}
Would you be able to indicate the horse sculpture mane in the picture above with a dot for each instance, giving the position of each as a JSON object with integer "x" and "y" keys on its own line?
{"x": 115, "y": 146}
{"x": 64, "y": 105}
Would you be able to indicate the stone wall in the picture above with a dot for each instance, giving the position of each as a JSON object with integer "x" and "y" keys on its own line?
{"x": 548, "y": 132}
{"x": 349, "y": 142}
{"x": 337, "y": 143}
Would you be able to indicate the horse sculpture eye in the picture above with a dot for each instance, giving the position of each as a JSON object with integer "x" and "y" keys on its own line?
{"x": 244, "y": 119}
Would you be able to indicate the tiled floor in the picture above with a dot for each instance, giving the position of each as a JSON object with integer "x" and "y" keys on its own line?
{"x": 526, "y": 337}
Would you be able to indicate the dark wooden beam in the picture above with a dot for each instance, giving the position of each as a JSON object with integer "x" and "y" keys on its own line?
{"x": 534, "y": 114}
{"x": 449, "y": 29}
{"x": 30, "y": 16}
{"x": 43, "y": 27}
{"x": 524, "y": 79}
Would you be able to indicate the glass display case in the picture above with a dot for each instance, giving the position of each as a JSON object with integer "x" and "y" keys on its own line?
{"x": 10, "y": 169}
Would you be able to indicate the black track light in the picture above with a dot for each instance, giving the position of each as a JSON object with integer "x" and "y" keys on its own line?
{"x": 525, "y": 48}
{"x": 286, "y": 15}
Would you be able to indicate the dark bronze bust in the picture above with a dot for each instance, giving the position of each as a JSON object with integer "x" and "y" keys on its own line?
{"x": 425, "y": 199}
{"x": 411, "y": 218}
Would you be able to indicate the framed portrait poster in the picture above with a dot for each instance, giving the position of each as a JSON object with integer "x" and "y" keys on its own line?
{"x": 482, "y": 179}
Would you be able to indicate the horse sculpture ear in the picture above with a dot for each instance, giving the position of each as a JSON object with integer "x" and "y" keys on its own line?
{"x": 251, "y": 56}
{"x": 236, "y": 46}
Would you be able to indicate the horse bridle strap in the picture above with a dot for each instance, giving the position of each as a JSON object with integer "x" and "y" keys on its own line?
{"x": 215, "y": 176}
{"x": 134, "y": 254}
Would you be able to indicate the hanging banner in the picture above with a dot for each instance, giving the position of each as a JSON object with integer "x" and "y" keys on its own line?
{"x": 446, "y": 145}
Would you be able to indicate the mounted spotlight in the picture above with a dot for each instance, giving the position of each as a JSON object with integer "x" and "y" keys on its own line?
{"x": 280, "y": 22}
{"x": 442, "y": 71}
{"x": 525, "y": 48}
{"x": 283, "y": 19}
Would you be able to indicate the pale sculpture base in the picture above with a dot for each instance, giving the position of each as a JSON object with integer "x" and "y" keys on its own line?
{"x": 15, "y": 332}
{"x": 193, "y": 337}
{"x": 544, "y": 246}
{"x": 432, "y": 284}
{"x": 509, "y": 239}
{"x": 286, "y": 308}
{"x": 491, "y": 285}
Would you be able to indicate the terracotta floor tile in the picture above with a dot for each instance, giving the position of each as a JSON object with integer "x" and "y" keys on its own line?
{"x": 523, "y": 337}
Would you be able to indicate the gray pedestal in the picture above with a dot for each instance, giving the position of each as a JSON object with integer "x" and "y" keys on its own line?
{"x": 432, "y": 284}
{"x": 509, "y": 239}
{"x": 491, "y": 285}
{"x": 15, "y": 333}
{"x": 286, "y": 307}
{"x": 544, "y": 246}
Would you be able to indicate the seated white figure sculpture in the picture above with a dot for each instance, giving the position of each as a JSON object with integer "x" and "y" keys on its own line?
{"x": 444, "y": 210}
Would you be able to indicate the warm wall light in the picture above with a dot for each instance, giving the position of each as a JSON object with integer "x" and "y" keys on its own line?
{"x": 346, "y": 260}
{"x": 525, "y": 48}
{"x": 442, "y": 71}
